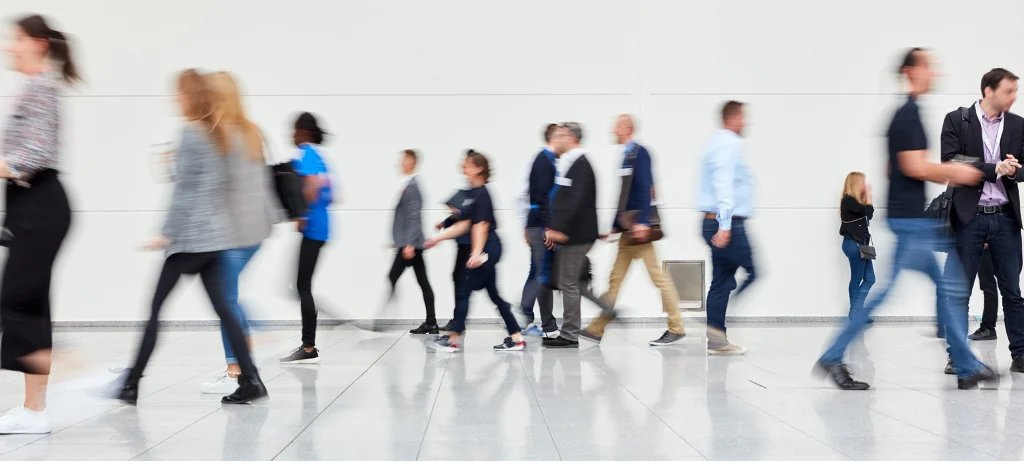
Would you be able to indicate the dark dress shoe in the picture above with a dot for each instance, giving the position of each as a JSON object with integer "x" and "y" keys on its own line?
{"x": 129, "y": 392}
{"x": 425, "y": 329}
{"x": 950, "y": 369}
{"x": 1018, "y": 364}
{"x": 447, "y": 326}
{"x": 249, "y": 388}
{"x": 840, "y": 375}
{"x": 986, "y": 374}
{"x": 560, "y": 343}
{"x": 983, "y": 334}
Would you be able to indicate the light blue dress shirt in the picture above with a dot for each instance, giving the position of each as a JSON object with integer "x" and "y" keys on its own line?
{"x": 726, "y": 184}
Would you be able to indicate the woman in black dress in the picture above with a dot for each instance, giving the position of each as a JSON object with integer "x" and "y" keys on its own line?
{"x": 38, "y": 216}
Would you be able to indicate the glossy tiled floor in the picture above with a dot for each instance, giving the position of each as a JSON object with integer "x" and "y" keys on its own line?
{"x": 386, "y": 396}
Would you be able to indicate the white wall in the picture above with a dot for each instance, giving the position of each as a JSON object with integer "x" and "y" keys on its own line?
{"x": 443, "y": 76}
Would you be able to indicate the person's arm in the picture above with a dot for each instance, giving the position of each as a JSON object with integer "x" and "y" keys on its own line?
{"x": 479, "y": 236}
{"x": 950, "y": 145}
{"x": 37, "y": 138}
{"x": 453, "y": 231}
{"x": 723, "y": 177}
{"x": 643, "y": 179}
{"x": 910, "y": 142}
{"x": 540, "y": 185}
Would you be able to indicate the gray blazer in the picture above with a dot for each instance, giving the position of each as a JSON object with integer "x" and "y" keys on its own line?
{"x": 408, "y": 224}
{"x": 197, "y": 220}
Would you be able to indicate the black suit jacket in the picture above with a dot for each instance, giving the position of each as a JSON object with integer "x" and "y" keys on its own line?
{"x": 966, "y": 198}
{"x": 574, "y": 207}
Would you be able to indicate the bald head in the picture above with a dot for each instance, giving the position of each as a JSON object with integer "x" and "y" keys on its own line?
{"x": 624, "y": 127}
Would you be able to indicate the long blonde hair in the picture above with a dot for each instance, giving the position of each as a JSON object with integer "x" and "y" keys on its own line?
{"x": 230, "y": 111}
{"x": 850, "y": 187}
{"x": 200, "y": 106}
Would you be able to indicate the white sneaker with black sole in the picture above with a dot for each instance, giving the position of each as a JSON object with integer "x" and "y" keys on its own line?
{"x": 21, "y": 420}
{"x": 301, "y": 356}
{"x": 223, "y": 385}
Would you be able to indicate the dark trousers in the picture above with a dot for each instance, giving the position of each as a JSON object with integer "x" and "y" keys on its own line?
{"x": 1000, "y": 232}
{"x": 987, "y": 281}
{"x": 537, "y": 289}
{"x": 724, "y": 264}
{"x": 420, "y": 269}
{"x": 209, "y": 268}
{"x": 309, "y": 253}
{"x": 484, "y": 277}
{"x": 461, "y": 257}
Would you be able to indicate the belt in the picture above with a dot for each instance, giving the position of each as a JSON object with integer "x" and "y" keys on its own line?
{"x": 994, "y": 209}
{"x": 715, "y": 216}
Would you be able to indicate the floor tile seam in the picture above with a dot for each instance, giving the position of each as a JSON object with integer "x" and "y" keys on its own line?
{"x": 430, "y": 414}
{"x": 540, "y": 407}
{"x": 335, "y": 399}
{"x": 176, "y": 433}
{"x": 641, "y": 402}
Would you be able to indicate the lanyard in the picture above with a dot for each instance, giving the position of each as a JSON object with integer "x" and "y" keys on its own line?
{"x": 984, "y": 133}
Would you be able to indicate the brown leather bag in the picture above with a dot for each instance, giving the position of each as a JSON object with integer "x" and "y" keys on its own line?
{"x": 627, "y": 218}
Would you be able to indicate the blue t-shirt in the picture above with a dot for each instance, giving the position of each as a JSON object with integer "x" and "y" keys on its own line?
{"x": 310, "y": 163}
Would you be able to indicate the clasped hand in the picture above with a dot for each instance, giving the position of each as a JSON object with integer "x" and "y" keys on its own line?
{"x": 1007, "y": 167}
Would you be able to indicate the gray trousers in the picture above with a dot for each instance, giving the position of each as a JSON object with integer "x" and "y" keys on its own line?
{"x": 536, "y": 290}
{"x": 569, "y": 264}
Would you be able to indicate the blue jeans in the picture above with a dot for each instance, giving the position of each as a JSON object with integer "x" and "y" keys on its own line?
{"x": 1000, "y": 232}
{"x": 862, "y": 275}
{"x": 917, "y": 239}
{"x": 724, "y": 264}
{"x": 233, "y": 263}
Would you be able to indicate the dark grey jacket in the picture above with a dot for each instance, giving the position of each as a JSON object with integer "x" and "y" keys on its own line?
{"x": 197, "y": 219}
{"x": 408, "y": 224}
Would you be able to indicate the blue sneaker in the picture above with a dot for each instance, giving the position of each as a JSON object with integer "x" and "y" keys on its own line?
{"x": 533, "y": 330}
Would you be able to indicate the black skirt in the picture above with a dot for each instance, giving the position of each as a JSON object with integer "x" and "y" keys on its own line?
{"x": 38, "y": 216}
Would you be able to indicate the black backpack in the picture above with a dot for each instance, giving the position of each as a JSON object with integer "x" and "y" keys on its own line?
{"x": 288, "y": 185}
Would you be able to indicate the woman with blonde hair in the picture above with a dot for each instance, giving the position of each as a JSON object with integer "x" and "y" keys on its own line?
{"x": 250, "y": 202}
{"x": 195, "y": 233}
{"x": 855, "y": 211}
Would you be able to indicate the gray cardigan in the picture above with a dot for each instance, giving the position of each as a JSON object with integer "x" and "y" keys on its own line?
{"x": 197, "y": 217}
{"x": 407, "y": 228}
{"x": 250, "y": 196}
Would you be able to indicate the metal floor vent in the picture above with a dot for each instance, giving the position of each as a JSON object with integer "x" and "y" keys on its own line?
{"x": 688, "y": 278}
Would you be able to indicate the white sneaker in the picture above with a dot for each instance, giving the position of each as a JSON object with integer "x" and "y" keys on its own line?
{"x": 224, "y": 384}
{"x": 21, "y": 420}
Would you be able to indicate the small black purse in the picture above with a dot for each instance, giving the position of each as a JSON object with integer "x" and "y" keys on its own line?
{"x": 867, "y": 251}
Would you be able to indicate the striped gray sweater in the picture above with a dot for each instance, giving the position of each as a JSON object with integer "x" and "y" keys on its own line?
{"x": 198, "y": 220}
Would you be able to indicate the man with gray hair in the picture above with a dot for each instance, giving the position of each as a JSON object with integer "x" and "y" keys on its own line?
{"x": 572, "y": 229}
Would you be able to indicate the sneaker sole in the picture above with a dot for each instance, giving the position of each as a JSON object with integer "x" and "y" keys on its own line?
{"x": 514, "y": 349}
{"x": 303, "y": 361}
{"x": 217, "y": 392}
{"x": 571, "y": 346}
{"x": 657, "y": 344}
{"x": 449, "y": 350}
{"x": 431, "y": 332}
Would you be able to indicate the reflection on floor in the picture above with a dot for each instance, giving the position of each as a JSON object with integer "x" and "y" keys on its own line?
{"x": 387, "y": 396}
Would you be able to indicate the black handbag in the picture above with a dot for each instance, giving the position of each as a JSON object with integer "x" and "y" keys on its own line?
{"x": 867, "y": 251}
{"x": 288, "y": 185}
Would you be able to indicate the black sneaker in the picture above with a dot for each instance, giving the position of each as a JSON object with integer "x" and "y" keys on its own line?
{"x": 511, "y": 345}
{"x": 986, "y": 374}
{"x": 127, "y": 390}
{"x": 299, "y": 355}
{"x": 1017, "y": 366}
{"x": 448, "y": 326}
{"x": 249, "y": 388}
{"x": 983, "y": 334}
{"x": 425, "y": 328}
{"x": 840, "y": 375}
{"x": 560, "y": 343}
{"x": 667, "y": 338}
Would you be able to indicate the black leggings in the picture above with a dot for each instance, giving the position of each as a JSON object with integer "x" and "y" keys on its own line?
{"x": 309, "y": 253}
{"x": 208, "y": 266}
{"x": 419, "y": 268}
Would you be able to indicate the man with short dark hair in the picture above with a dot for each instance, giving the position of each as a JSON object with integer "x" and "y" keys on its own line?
{"x": 917, "y": 236}
{"x": 539, "y": 181}
{"x": 990, "y": 138}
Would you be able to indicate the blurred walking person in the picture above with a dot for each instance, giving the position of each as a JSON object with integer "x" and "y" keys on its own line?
{"x": 195, "y": 234}
{"x": 251, "y": 207}
{"x": 407, "y": 238}
{"x": 537, "y": 290}
{"x": 37, "y": 215}
{"x": 727, "y": 200}
{"x": 917, "y": 236}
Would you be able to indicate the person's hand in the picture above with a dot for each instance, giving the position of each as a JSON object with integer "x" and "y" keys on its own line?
{"x": 553, "y": 238}
{"x": 1007, "y": 167}
{"x": 300, "y": 224}
{"x": 526, "y": 235}
{"x": 156, "y": 243}
{"x": 429, "y": 243}
{"x": 408, "y": 252}
{"x": 721, "y": 238}
{"x": 641, "y": 232}
{"x": 966, "y": 175}
{"x": 439, "y": 225}
{"x": 867, "y": 190}
{"x": 475, "y": 260}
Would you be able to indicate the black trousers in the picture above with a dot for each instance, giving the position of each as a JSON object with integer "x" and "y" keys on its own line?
{"x": 39, "y": 218}
{"x": 987, "y": 281}
{"x": 309, "y": 253}
{"x": 209, "y": 268}
{"x": 461, "y": 258}
{"x": 420, "y": 269}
